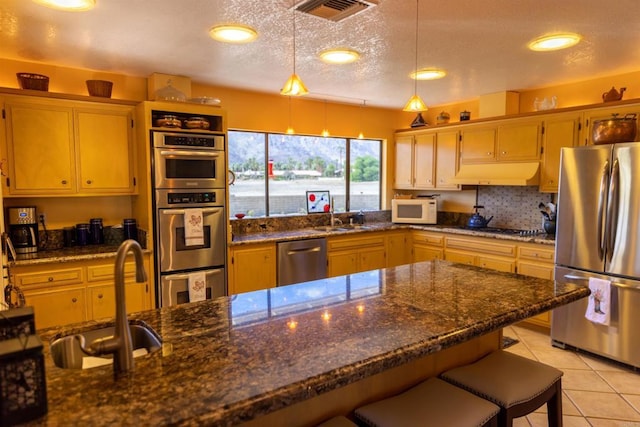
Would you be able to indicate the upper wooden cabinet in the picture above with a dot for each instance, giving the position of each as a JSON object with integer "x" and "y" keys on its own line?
{"x": 514, "y": 140}
{"x": 426, "y": 160}
{"x": 60, "y": 148}
{"x": 592, "y": 115}
{"x": 560, "y": 130}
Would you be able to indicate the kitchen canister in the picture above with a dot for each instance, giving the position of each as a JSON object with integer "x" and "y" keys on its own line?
{"x": 96, "y": 233}
{"x": 130, "y": 229}
{"x": 82, "y": 234}
{"x": 465, "y": 115}
{"x": 69, "y": 236}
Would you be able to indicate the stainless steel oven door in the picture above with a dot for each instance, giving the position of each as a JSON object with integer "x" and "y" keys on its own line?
{"x": 175, "y": 289}
{"x": 187, "y": 168}
{"x": 174, "y": 253}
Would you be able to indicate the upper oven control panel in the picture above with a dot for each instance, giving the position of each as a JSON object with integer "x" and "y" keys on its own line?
{"x": 176, "y": 198}
{"x": 179, "y": 140}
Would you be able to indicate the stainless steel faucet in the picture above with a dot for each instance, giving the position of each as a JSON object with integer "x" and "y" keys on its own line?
{"x": 120, "y": 345}
{"x": 334, "y": 220}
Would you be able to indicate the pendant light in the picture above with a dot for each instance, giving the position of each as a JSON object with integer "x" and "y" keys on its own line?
{"x": 294, "y": 86}
{"x": 415, "y": 103}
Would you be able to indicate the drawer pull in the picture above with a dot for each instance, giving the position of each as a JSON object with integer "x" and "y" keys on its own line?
{"x": 99, "y": 296}
{"x": 89, "y": 181}
{"x": 50, "y": 279}
{"x": 74, "y": 300}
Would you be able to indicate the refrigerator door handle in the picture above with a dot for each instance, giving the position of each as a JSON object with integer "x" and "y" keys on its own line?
{"x": 612, "y": 209}
{"x": 603, "y": 185}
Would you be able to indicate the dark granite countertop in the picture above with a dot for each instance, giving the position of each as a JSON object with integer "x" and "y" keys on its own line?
{"x": 232, "y": 359}
{"x": 314, "y": 232}
{"x": 76, "y": 253}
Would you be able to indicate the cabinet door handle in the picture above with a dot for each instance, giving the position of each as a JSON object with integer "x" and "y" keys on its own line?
{"x": 64, "y": 182}
{"x": 50, "y": 278}
{"x": 99, "y": 296}
{"x": 89, "y": 181}
{"x": 74, "y": 300}
{"x": 504, "y": 152}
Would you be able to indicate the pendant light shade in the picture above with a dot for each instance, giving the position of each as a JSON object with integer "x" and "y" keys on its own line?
{"x": 415, "y": 103}
{"x": 294, "y": 86}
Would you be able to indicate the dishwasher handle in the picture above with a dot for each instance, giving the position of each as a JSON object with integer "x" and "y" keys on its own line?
{"x": 304, "y": 250}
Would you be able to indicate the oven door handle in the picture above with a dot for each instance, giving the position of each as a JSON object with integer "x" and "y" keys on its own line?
{"x": 181, "y": 211}
{"x": 188, "y": 153}
{"x": 182, "y": 276}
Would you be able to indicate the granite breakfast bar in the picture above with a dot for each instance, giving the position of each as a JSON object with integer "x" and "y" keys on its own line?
{"x": 298, "y": 354}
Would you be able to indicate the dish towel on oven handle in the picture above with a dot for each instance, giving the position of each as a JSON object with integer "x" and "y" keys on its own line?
{"x": 599, "y": 307}
{"x": 193, "y": 227}
{"x": 197, "y": 286}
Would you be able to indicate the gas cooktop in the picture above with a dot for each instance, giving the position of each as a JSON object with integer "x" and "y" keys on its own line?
{"x": 513, "y": 231}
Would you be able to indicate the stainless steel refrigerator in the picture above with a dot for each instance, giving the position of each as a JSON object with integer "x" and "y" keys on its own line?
{"x": 598, "y": 235}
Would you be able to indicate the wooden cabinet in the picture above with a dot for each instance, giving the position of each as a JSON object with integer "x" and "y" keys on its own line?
{"x": 101, "y": 291}
{"x": 519, "y": 140}
{"x": 560, "y": 130}
{"x": 506, "y": 141}
{"x": 398, "y": 248}
{"x": 414, "y": 161}
{"x": 79, "y": 291}
{"x": 592, "y": 115}
{"x": 537, "y": 261}
{"x": 481, "y": 252}
{"x": 348, "y": 255}
{"x": 61, "y": 148}
{"x": 427, "y": 246}
{"x": 253, "y": 267}
{"x": 478, "y": 144}
{"x": 57, "y": 306}
{"x": 426, "y": 160}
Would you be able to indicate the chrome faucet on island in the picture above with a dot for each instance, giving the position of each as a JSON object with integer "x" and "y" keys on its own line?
{"x": 120, "y": 345}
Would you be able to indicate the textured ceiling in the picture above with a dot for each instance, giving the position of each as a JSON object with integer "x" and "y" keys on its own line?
{"x": 481, "y": 44}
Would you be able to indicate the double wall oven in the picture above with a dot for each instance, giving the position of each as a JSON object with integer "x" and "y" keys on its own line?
{"x": 189, "y": 176}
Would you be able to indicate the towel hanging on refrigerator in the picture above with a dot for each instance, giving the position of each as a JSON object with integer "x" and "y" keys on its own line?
{"x": 193, "y": 227}
{"x": 599, "y": 307}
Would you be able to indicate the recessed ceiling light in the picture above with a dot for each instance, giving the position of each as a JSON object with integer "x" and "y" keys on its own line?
{"x": 428, "y": 74}
{"x": 233, "y": 33}
{"x": 339, "y": 56}
{"x": 554, "y": 42}
{"x": 70, "y": 5}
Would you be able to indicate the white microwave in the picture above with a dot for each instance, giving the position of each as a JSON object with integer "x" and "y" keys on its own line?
{"x": 414, "y": 211}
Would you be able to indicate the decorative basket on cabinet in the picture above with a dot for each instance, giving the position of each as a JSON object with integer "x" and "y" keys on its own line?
{"x": 33, "y": 81}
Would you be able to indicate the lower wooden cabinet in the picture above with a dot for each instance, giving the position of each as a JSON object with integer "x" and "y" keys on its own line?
{"x": 537, "y": 261}
{"x": 252, "y": 268}
{"x": 481, "y": 252}
{"x": 398, "y": 248}
{"x": 80, "y": 291}
{"x": 427, "y": 246}
{"x": 348, "y": 255}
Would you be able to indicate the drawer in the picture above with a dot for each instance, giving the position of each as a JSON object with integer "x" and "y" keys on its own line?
{"x": 347, "y": 244}
{"x": 105, "y": 272}
{"x": 492, "y": 247}
{"x": 46, "y": 278}
{"x": 460, "y": 257}
{"x": 536, "y": 253}
{"x": 428, "y": 239}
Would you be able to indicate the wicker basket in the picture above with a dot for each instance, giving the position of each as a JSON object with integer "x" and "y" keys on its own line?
{"x": 33, "y": 81}
{"x": 100, "y": 88}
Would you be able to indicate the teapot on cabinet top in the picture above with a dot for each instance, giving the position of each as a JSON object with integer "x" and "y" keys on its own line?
{"x": 613, "y": 94}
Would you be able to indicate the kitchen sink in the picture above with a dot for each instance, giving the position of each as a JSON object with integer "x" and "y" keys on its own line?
{"x": 66, "y": 352}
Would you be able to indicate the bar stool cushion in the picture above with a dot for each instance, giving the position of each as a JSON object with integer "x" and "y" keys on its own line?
{"x": 339, "y": 421}
{"x": 505, "y": 378}
{"x": 431, "y": 403}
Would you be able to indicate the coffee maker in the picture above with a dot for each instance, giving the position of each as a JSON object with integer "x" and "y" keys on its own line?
{"x": 23, "y": 229}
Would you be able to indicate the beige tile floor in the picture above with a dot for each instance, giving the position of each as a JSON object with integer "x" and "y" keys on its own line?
{"x": 596, "y": 392}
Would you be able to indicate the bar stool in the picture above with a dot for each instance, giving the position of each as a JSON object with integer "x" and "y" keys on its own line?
{"x": 517, "y": 384}
{"x": 431, "y": 403}
{"x": 339, "y": 421}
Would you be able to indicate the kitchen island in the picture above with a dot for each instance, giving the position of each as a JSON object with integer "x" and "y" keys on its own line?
{"x": 298, "y": 354}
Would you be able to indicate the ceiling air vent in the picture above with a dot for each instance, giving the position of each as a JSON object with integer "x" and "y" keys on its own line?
{"x": 335, "y": 10}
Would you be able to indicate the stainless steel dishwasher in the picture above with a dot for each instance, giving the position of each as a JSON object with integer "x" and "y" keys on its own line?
{"x": 301, "y": 261}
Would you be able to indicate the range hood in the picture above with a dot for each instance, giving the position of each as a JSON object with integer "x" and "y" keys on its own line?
{"x": 499, "y": 173}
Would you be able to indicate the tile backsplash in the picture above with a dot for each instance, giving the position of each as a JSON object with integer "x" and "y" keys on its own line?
{"x": 513, "y": 207}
